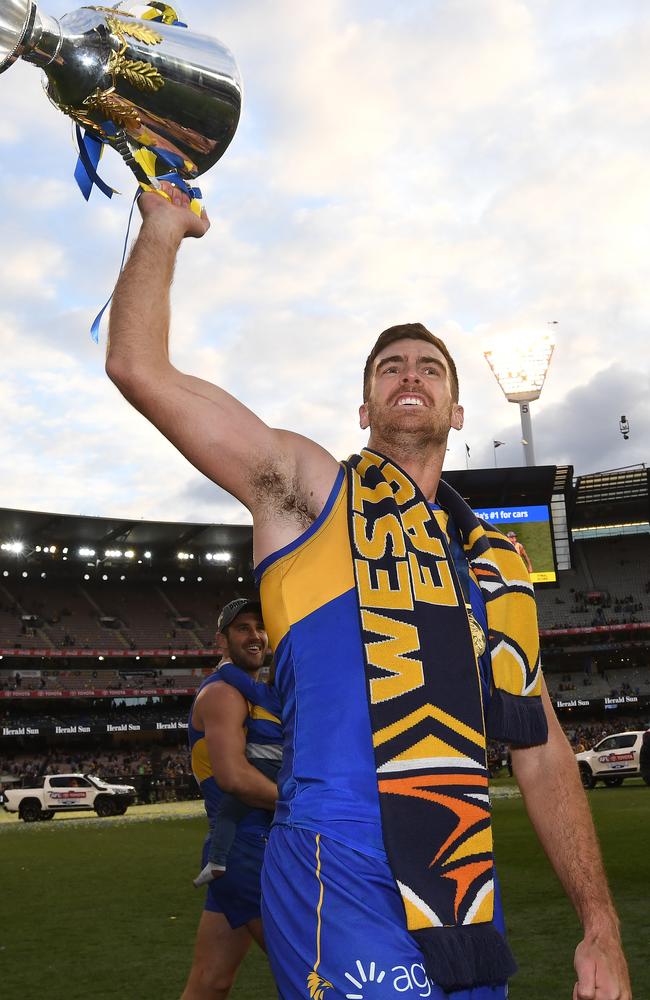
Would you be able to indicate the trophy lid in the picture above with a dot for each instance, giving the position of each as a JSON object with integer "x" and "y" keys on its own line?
{"x": 16, "y": 22}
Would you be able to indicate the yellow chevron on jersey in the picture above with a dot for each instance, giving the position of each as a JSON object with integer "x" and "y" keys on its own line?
{"x": 257, "y": 712}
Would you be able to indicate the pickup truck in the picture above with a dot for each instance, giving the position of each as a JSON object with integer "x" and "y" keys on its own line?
{"x": 68, "y": 793}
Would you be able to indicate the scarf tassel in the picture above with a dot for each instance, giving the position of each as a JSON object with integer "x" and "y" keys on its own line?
{"x": 516, "y": 719}
{"x": 459, "y": 958}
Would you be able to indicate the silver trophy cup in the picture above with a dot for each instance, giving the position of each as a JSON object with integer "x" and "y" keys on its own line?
{"x": 133, "y": 83}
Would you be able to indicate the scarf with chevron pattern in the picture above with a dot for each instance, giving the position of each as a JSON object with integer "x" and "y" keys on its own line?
{"x": 428, "y": 720}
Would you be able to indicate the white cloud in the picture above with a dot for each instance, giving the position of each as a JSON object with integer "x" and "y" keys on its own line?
{"x": 394, "y": 163}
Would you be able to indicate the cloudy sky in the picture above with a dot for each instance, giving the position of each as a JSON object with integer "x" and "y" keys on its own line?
{"x": 481, "y": 166}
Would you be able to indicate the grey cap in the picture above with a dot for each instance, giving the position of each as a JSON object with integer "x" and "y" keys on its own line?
{"x": 236, "y": 607}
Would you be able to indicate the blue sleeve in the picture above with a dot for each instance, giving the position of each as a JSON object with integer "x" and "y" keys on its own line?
{"x": 259, "y": 693}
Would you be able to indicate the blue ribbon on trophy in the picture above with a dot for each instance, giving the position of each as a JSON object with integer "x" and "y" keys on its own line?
{"x": 167, "y": 100}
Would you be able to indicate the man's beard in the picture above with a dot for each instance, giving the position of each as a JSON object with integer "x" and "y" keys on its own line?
{"x": 246, "y": 661}
{"x": 386, "y": 425}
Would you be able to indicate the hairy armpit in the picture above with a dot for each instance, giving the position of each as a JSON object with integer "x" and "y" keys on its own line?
{"x": 283, "y": 495}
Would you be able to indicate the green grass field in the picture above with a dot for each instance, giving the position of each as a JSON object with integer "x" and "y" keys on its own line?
{"x": 92, "y": 910}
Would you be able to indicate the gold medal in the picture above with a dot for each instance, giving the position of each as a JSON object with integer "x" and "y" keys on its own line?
{"x": 478, "y": 635}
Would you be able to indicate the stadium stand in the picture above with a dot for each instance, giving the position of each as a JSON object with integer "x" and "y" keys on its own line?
{"x": 107, "y": 626}
{"x": 122, "y": 615}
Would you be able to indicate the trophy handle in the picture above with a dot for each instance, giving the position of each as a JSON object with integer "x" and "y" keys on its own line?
{"x": 121, "y": 143}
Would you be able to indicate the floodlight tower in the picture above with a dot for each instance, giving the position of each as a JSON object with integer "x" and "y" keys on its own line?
{"x": 520, "y": 366}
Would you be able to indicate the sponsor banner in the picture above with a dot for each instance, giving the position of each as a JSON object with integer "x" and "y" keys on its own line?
{"x": 548, "y": 576}
{"x": 574, "y": 702}
{"x": 511, "y": 516}
{"x": 20, "y": 731}
{"x": 598, "y": 703}
{"x": 595, "y": 629}
{"x": 99, "y": 693}
{"x": 94, "y": 729}
{"x": 77, "y": 654}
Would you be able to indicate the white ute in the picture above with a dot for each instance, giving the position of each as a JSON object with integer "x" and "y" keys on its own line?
{"x": 612, "y": 760}
{"x": 68, "y": 793}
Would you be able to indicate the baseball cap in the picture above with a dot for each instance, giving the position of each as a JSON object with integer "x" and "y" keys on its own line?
{"x": 236, "y": 607}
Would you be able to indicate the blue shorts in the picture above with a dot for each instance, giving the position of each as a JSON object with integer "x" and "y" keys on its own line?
{"x": 334, "y": 925}
{"x": 237, "y": 893}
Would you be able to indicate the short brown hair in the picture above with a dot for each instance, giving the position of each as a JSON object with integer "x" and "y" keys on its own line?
{"x": 408, "y": 331}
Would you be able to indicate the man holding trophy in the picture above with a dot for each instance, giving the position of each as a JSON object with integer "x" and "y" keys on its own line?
{"x": 379, "y": 874}
{"x": 404, "y": 629}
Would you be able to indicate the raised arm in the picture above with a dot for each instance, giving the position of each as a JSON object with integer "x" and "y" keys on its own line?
{"x": 218, "y": 434}
{"x": 557, "y": 806}
{"x": 221, "y": 712}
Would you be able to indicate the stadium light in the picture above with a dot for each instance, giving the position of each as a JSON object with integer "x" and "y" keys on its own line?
{"x": 147, "y": 555}
{"x": 520, "y": 367}
{"x": 129, "y": 554}
{"x": 15, "y": 547}
{"x": 86, "y": 553}
{"x": 220, "y": 557}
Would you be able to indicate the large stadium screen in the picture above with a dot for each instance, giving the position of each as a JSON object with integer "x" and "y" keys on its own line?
{"x": 531, "y": 527}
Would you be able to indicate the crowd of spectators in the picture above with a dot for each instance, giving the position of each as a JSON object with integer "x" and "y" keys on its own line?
{"x": 625, "y": 609}
{"x": 111, "y": 680}
{"x": 159, "y": 774}
{"x": 93, "y": 712}
{"x": 163, "y": 773}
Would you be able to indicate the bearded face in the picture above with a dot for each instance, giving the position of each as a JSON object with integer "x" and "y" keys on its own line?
{"x": 410, "y": 403}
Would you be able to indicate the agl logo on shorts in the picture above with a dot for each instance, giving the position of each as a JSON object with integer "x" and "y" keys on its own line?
{"x": 405, "y": 979}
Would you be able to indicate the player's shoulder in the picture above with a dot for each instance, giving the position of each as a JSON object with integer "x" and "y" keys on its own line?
{"x": 216, "y": 697}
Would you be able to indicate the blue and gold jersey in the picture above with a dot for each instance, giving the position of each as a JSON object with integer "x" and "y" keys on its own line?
{"x": 257, "y": 820}
{"x": 264, "y": 711}
{"x": 327, "y": 781}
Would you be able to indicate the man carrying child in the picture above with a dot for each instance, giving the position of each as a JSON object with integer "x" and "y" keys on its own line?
{"x": 218, "y": 725}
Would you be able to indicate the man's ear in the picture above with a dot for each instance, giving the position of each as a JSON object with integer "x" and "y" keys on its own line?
{"x": 457, "y": 417}
{"x": 364, "y": 421}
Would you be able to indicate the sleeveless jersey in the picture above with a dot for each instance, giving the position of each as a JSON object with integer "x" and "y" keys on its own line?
{"x": 256, "y": 820}
{"x": 264, "y": 727}
{"x": 327, "y": 782}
